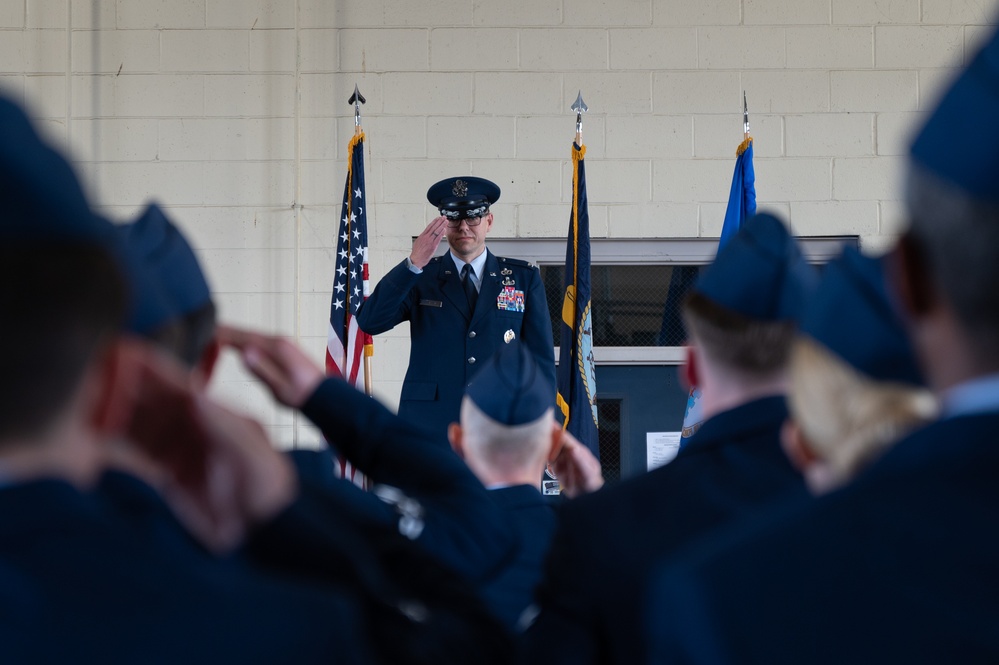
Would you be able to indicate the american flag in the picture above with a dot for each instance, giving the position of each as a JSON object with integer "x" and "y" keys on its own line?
{"x": 347, "y": 344}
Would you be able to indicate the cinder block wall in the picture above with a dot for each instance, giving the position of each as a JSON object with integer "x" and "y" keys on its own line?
{"x": 233, "y": 113}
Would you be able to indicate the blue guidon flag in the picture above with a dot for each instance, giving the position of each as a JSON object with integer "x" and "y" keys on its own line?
{"x": 741, "y": 206}
{"x": 577, "y": 387}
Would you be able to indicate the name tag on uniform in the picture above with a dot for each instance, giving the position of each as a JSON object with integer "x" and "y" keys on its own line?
{"x": 431, "y": 303}
{"x": 510, "y": 300}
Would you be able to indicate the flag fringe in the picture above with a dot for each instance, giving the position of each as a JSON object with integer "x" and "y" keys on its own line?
{"x": 564, "y": 407}
{"x": 354, "y": 140}
{"x": 743, "y": 146}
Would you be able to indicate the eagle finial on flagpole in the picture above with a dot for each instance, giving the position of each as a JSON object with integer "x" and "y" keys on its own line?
{"x": 357, "y": 99}
{"x": 579, "y": 106}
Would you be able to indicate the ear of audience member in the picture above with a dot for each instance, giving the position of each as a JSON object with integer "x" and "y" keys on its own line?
{"x": 856, "y": 386}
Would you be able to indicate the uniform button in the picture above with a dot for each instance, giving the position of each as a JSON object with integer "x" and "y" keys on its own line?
{"x": 471, "y": 361}
{"x": 471, "y": 335}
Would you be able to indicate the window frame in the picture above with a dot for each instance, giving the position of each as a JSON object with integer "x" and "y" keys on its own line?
{"x": 645, "y": 251}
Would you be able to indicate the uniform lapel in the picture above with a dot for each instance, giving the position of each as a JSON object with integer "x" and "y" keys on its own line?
{"x": 489, "y": 288}
{"x": 450, "y": 283}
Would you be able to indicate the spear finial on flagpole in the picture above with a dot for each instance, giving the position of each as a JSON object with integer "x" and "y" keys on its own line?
{"x": 579, "y": 106}
{"x": 357, "y": 99}
{"x": 745, "y": 116}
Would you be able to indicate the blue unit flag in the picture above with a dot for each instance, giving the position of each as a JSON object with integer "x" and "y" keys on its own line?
{"x": 741, "y": 206}
{"x": 577, "y": 387}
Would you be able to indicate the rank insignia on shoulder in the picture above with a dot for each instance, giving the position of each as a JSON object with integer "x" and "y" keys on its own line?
{"x": 510, "y": 300}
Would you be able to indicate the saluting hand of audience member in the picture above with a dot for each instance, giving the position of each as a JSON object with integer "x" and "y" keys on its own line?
{"x": 576, "y": 468}
{"x": 290, "y": 374}
{"x": 425, "y": 245}
{"x": 217, "y": 469}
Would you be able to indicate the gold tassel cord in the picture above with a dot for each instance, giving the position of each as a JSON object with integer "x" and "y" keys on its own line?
{"x": 743, "y": 146}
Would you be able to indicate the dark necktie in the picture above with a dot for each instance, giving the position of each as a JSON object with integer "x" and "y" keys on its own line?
{"x": 466, "y": 282}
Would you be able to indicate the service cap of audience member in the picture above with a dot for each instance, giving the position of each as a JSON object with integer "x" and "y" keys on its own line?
{"x": 760, "y": 274}
{"x": 510, "y": 389}
{"x": 960, "y": 143}
{"x": 852, "y": 316}
{"x": 64, "y": 281}
{"x": 744, "y": 307}
{"x": 856, "y": 386}
{"x": 951, "y": 248}
{"x": 187, "y": 324}
{"x": 507, "y": 422}
{"x": 44, "y": 203}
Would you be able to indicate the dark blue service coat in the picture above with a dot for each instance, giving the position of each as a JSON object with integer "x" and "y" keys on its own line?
{"x": 82, "y": 584}
{"x": 448, "y": 343}
{"x": 607, "y": 543}
{"x": 461, "y": 524}
{"x": 898, "y": 567}
{"x": 510, "y": 592}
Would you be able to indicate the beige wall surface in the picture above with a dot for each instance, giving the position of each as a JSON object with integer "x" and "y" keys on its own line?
{"x": 234, "y": 115}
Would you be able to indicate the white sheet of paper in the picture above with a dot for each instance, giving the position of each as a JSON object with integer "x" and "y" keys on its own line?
{"x": 661, "y": 448}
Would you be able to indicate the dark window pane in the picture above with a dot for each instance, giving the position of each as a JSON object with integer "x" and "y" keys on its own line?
{"x": 633, "y": 305}
{"x": 609, "y": 438}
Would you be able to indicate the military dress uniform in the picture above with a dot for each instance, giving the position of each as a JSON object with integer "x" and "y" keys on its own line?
{"x": 607, "y": 544}
{"x": 898, "y": 566}
{"x": 511, "y": 391}
{"x": 449, "y": 340}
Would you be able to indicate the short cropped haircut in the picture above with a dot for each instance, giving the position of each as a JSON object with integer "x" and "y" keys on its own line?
{"x": 187, "y": 337}
{"x": 848, "y": 418}
{"x": 505, "y": 446}
{"x": 741, "y": 344}
{"x": 60, "y": 304}
{"x": 959, "y": 239}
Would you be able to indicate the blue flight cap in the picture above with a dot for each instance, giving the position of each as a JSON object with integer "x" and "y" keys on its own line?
{"x": 42, "y": 198}
{"x": 760, "y": 273}
{"x": 170, "y": 259}
{"x": 463, "y": 197}
{"x": 959, "y": 143}
{"x": 852, "y": 315}
{"x": 43, "y": 202}
{"x": 510, "y": 388}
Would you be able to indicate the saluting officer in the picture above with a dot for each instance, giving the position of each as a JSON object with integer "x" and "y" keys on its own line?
{"x": 461, "y": 306}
